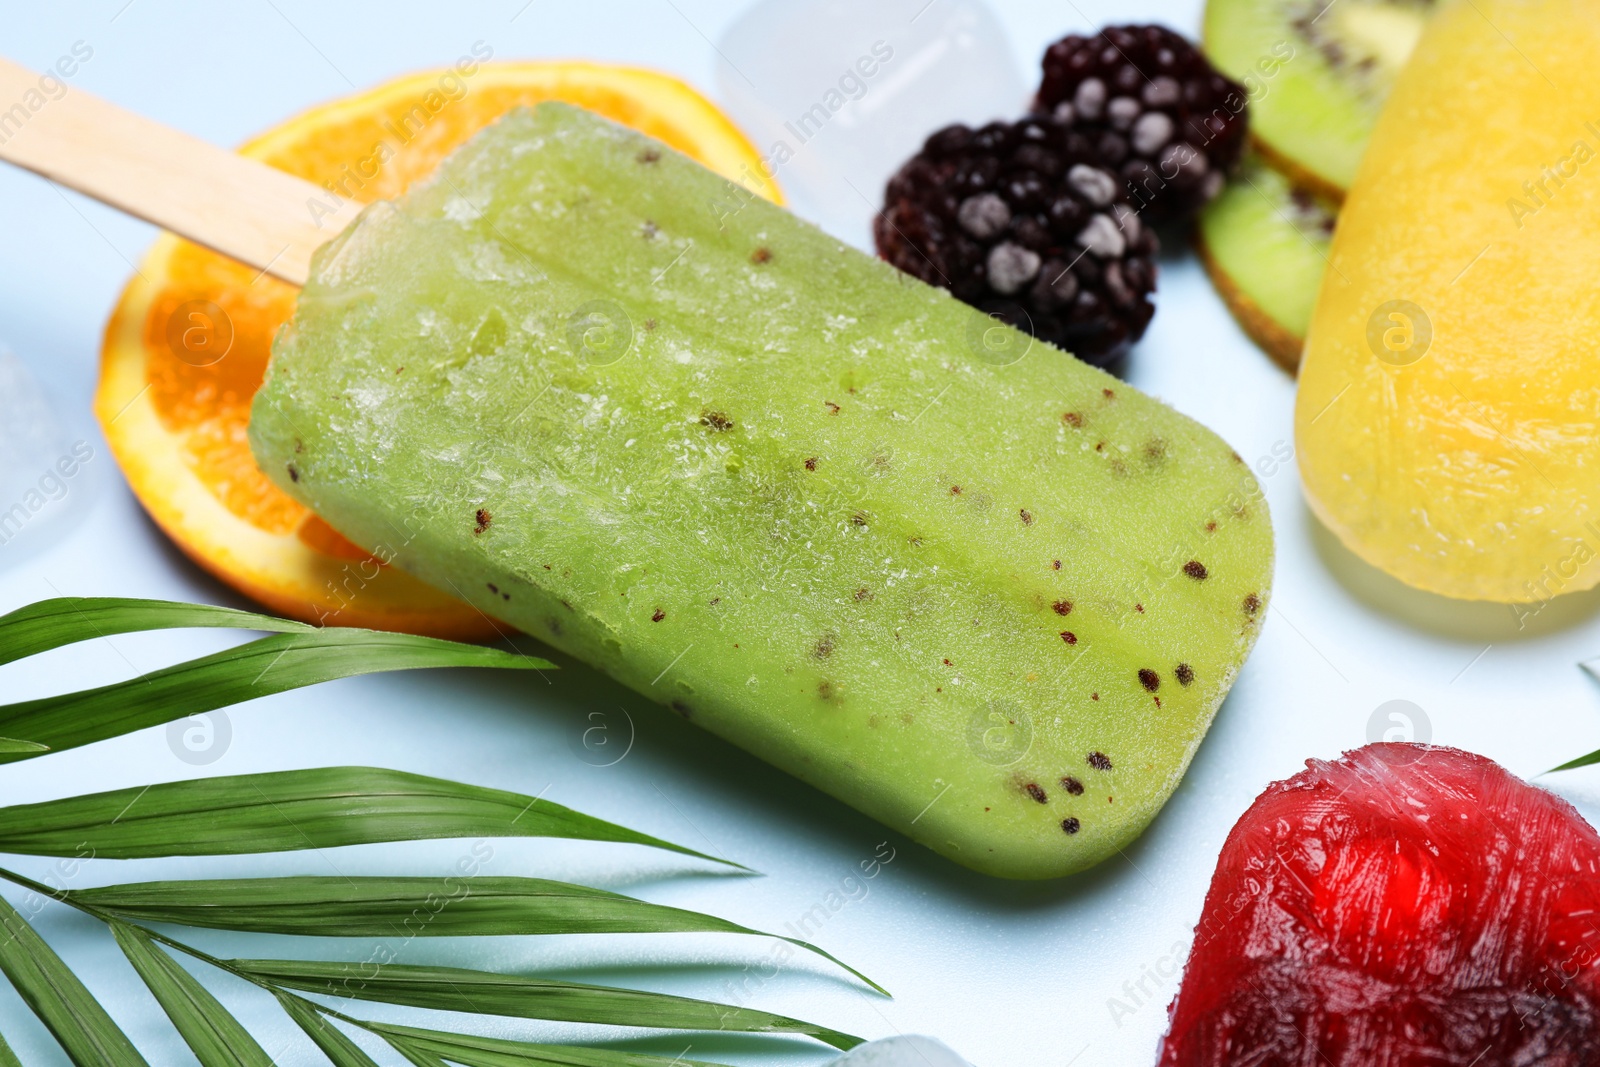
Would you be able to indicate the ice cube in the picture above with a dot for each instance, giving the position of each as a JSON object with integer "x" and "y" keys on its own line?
{"x": 30, "y": 435}
{"x": 905, "y": 1050}
{"x": 836, "y": 94}
{"x": 40, "y": 464}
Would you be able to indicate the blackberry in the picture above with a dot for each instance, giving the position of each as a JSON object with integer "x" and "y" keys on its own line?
{"x": 1018, "y": 220}
{"x": 1158, "y": 112}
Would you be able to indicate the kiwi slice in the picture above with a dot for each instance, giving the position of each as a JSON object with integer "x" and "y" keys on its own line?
{"x": 1264, "y": 242}
{"x": 1316, "y": 72}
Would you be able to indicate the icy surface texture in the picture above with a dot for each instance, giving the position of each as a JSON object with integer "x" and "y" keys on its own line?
{"x": 1406, "y": 905}
{"x": 43, "y": 487}
{"x": 31, "y": 437}
{"x": 960, "y": 580}
{"x": 836, "y": 94}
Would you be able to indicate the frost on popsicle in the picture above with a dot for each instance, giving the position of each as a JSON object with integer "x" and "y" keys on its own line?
{"x": 967, "y": 584}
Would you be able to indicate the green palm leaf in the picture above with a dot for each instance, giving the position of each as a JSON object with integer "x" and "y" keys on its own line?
{"x": 416, "y": 1056}
{"x": 340, "y": 1050}
{"x": 67, "y": 1009}
{"x": 484, "y": 993}
{"x": 48, "y": 624}
{"x": 474, "y": 1051}
{"x": 311, "y": 809}
{"x": 283, "y": 811}
{"x": 214, "y": 1036}
{"x": 1582, "y": 761}
{"x": 256, "y": 669}
{"x": 7, "y": 1057}
{"x": 406, "y": 907}
{"x": 1591, "y": 667}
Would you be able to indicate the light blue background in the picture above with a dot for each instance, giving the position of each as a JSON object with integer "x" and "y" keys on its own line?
{"x": 1006, "y": 973}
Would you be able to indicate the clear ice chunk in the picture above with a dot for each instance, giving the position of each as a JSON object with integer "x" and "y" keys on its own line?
{"x": 836, "y": 94}
{"x": 41, "y": 466}
{"x": 905, "y": 1050}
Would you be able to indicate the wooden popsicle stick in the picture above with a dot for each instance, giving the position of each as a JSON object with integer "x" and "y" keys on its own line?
{"x": 236, "y": 206}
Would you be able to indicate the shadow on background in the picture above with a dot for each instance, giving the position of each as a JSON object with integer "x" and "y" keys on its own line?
{"x": 774, "y": 799}
{"x": 1472, "y": 620}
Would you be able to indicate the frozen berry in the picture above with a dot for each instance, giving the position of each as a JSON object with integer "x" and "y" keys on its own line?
{"x": 1156, "y": 111}
{"x": 1403, "y": 905}
{"x": 1022, "y": 221}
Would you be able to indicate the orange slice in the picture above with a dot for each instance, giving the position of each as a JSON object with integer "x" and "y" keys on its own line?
{"x": 189, "y": 341}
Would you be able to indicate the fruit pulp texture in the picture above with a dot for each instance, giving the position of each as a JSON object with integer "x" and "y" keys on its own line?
{"x": 1464, "y": 463}
{"x": 1403, "y": 905}
{"x": 1316, "y": 75}
{"x": 1266, "y": 246}
{"x": 770, "y": 482}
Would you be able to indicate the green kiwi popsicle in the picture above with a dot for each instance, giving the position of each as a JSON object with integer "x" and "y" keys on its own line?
{"x": 980, "y": 591}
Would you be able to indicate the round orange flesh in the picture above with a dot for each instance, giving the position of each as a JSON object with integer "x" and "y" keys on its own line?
{"x": 189, "y": 341}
